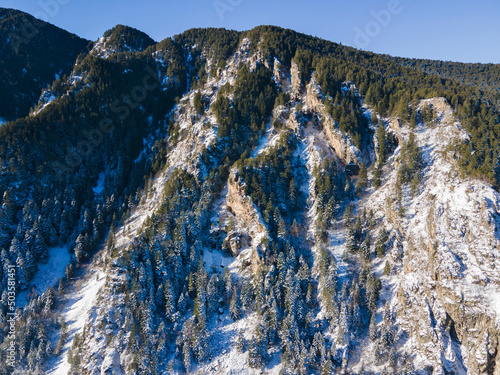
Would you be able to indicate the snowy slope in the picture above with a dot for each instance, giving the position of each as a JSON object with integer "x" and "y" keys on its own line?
{"x": 47, "y": 275}
{"x": 76, "y": 313}
{"x": 436, "y": 277}
{"x": 195, "y": 134}
{"x": 433, "y": 268}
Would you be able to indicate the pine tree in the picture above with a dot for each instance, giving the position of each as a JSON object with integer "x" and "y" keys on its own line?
{"x": 169, "y": 300}
{"x": 292, "y": 194}
{"x": 362, "y": 179}
{"x": 387, "y": 269}
{"x": 186, "y": 356}
{"x": 213, "y": 293}
{"x": 64, "y": 226}
{"x": 81, "y": 248}
{"x": 110, "y": 242}
{"x": 309, "y": 295}
{"x": 69, "y": 272}
{"x": 40, "y": 247}
{"x": 254, "y": 353}
{"x": 357, "y": 319}
{"x": 381, "y": 241}
{"x": 234, "y": 308}
{"x": 377, "y": 176}
{"x": 29, "y": 265}
{"x": 294, "y": 229}
{"x": 261, "y": 343}
{"x": 365, "y": 249}
{"x": 240, "y": 344}
{"x": 409, "y": 367}
{"x": 372, "y": 329}
{"x": 392, "y": 358}
{"x": 345, "y": 320}
{"x": 318, "y": 348}
{"x": 228, "y": 281}
{"x": 198, "y": 103}
{"x": 200, "y": 343}
{"x": 60, "y": 288}
{"x": 191, "y": 284}
{"x": 48, "y": 299}
{"x": 387, "y": 335}
{"x": 182, "y": 303}
{"x": 381, "y": 138}
{"x": 53, "y": 239}
{"x": 247, "y": 295}
{"x": 351, "y": 244}
{"x": 376, "y": 353}
{"x": 303, "y": 363}
{"x": 273, "y": 316}
{"x": 327, "y": 368}
{"x": 281, "y": 229}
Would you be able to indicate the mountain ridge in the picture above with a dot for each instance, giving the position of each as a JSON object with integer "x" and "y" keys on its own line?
{"x": 253, "y": 201}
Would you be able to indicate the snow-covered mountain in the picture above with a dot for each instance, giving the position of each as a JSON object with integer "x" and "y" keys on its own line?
{"x": 255, "y": 202}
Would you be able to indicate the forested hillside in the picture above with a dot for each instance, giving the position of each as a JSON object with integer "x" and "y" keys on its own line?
{"x": 33, "y": 54}
{"x": 243, "y": 201}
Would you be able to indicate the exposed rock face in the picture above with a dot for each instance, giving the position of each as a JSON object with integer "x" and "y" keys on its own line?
{"x": 294, "y": 123}
{"x": 280, "y": 75}
{"x": 442, "y": 293}
{"x": 296, "y": 83}
{"x": 242, "y": 206}
{"x": 281, "y": 114}
{"x": 446, "y": 295}
{"x": 343, "y": 147}
{"x": 235, "y": 241}
{"x": 248, "y": 216}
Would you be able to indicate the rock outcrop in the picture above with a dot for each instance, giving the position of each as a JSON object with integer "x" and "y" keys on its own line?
{"x": 248, "y": 217}
{"x": 446, "y": 283}
{"x": 296, "y": 83}
{"x": 343, "y": 147}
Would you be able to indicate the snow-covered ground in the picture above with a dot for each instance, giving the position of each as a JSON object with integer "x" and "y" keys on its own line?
{"x": 433, "y": 265}
{"x": 447, "y": 215}
{"x": 47, "y": 275}
{"x": 75, "y": 313}
{"x": 46, "y": 98}
{"x": 100, "y": 184}
{"x": 84, "y": 300}
{"x": 227, "y": 359}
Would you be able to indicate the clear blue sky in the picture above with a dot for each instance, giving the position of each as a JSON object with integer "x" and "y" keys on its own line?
{"x": 457, "y": 30}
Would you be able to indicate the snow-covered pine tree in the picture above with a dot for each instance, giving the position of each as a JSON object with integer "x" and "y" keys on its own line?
{"x": 240, "y": 343}
{"x": 81, "y": 248}
{"x": 228, "y": 282}
{"x": 234, "y": 307}
{"x": 351, "y": 243}
{"x": 169, "y": 300}
{"x": 372, "y": 329}
{"x": 381, "y": 242}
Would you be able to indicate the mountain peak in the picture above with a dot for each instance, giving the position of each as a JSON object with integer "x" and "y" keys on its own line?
{"x": 33, "y": 53}
{"x": 124, "y": 39}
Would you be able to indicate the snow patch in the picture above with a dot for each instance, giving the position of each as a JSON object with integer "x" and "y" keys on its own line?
{"x": 48, "y": 274}
{"x": 100, "y": 184}
{"x": 75, "y": 314}
{"x": 46, "y": 98}
{"x": 216, "y": 259}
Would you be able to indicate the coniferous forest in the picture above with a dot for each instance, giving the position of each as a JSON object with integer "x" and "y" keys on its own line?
{"x": 243, "y": 200}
